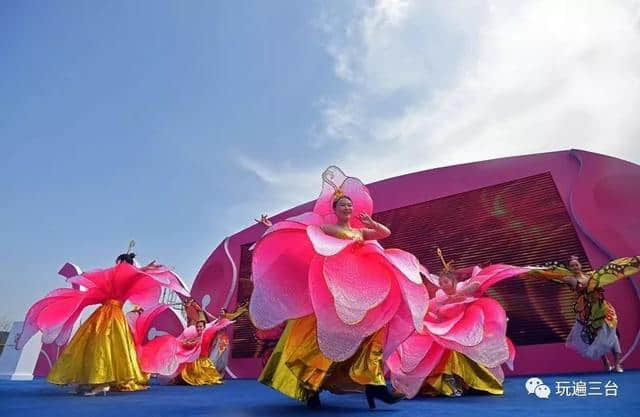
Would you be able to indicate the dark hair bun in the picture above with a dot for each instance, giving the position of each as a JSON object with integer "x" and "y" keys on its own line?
{"x": 126, "y": 257}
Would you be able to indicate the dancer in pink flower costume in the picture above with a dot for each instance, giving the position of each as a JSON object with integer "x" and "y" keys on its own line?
{"x": 338, "y": 288}
{"x": 101, "y": 354}
{"x": 463, "y": 342}
{"x": 183, "y": 359}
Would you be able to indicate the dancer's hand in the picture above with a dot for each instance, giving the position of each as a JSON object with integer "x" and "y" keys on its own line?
{"x": 367, "y": 220}
{"x": 264, "y": 220}
{"x": 152, "y": 264}
{"x": 373, "y": 230}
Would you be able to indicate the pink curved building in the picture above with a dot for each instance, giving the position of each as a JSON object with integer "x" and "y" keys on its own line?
{"x": 520, "y": 210}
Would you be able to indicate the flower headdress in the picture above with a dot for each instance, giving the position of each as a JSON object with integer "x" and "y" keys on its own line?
{"x": 327, "y": 176}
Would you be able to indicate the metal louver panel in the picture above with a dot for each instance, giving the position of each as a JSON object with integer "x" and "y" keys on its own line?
{"x": 520, "y": 222}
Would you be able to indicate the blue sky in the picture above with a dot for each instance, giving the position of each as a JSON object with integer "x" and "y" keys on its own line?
{"x": 120, "y": 121}
{"x": 175, "y": 123}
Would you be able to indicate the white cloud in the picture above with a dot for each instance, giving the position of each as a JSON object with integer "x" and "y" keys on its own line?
{"x": 432, "y": 84}
{"x": 261, "y": 171}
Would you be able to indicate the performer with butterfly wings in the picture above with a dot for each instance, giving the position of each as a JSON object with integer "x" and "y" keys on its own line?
{"x": 593, "y": 334}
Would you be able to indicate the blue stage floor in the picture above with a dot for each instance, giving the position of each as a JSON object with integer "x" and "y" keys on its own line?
{"x": 246, "y": 398}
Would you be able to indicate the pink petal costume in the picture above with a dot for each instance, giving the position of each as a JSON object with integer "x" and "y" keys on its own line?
{"x": 102, "y": 350}
{"x": 463, "y": 341}
{"x": 185, "y": 359}
{"x": 201, "y": 370}
{"x": 337, "y": 293}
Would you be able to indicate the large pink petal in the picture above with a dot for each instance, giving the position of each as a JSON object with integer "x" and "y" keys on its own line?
{"x": 399, "y": 329}
{"x": 52, "y": 318}
{"x": 324, "y": 244}
{"x": 280, "y": 276}
{"x": 121, "y": 278}
{"x": 159, "y": 356}
{"x": 357, "y": 283}
{"x": 405, "y": 263}
{"x": 30, "y": 326}
{"x": 145, "y": 292}
{"x": 413, "y": 351}
{"x": 430, "y": 360}
{"x": 306, "y": 219}
{"x": 438, "y": 324}
{"x": 469, "y": 330}
{"x": 493, "y": 350}
{"x": 417, "y": 299}
{"x": 285, "y": 225}
{"x": 101, "y": 278}
{"x": 143, "y": 322}
{"x": 411, "y": 383}
{"x": 443, "y": 308}
{"x": 166, "y": 277}
{"x": 338, "y": 340}
{"x": 413, "y": 290}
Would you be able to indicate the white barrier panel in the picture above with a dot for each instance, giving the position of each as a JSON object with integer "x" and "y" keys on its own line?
{"x": 16, "y": 364}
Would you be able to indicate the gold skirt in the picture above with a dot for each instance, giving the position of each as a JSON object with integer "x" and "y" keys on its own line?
{"x": 101, "y": 352}
{"x": 297, "y": 367}
{"x": 469, "y": 375}
{"x": 200, "y": 372}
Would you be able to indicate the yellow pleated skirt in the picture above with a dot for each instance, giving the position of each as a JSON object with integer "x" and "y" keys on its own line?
{"x": 297, "y": 367}
{"x": 200, "y": 372}
{"x": 469, "y": 374}
{"x": 101, "y": 352}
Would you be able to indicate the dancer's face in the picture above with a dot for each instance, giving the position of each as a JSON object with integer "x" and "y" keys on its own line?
{"x": 343, "y": 209}
{"x": 574, "y": 266}
{"x": 200, "y": 327}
